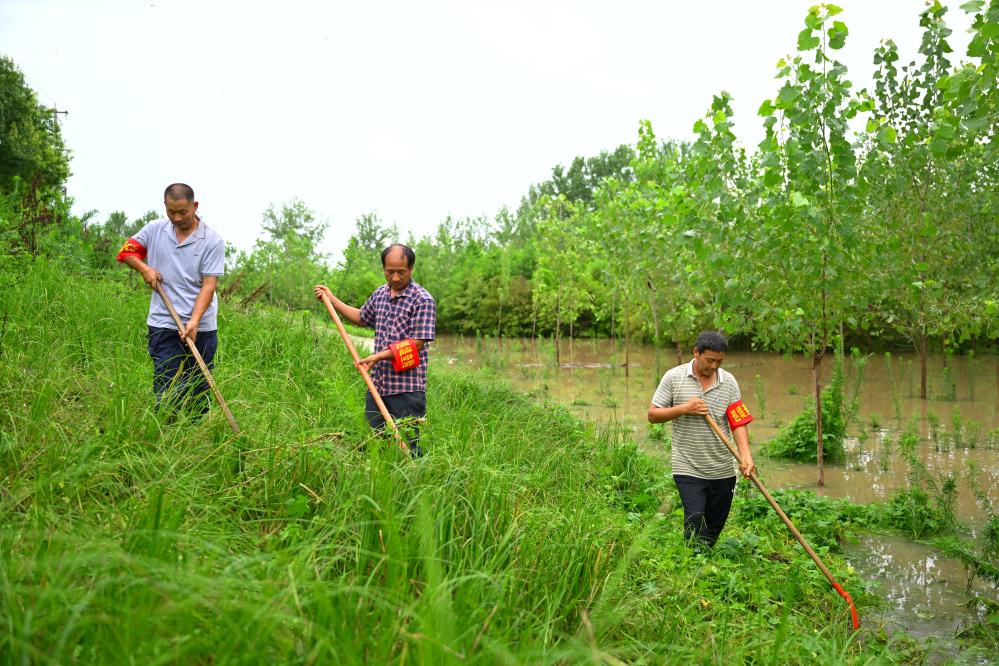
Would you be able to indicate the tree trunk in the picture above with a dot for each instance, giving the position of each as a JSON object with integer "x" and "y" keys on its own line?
{"x": 558, "y": 326}
{"x": 655, "y": 324}
{"x": 816, "y": 369}
{"x": 627, "y": 335}
{"x": 571, "y": 356}
{"x": 679, "y": 353}
{"x": 922, "y": 365}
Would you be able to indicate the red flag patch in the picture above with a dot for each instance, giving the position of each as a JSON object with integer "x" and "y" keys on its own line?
{"x": 404, "y": 355}
{"x": 131, "y": 248}
{"x": 738, "y": 415}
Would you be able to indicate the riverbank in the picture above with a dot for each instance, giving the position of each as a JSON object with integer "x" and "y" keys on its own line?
{"x": 525, "y": 536}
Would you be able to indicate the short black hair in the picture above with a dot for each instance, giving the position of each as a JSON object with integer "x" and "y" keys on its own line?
{"x": 178, "y": 192}
{"x": 406, "y": 250}
{"x": 712, "y": 340}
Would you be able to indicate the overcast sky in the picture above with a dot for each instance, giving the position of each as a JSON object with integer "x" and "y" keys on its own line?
{"x": 411, "y": 110}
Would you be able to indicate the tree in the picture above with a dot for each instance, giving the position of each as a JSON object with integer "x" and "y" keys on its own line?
{"x": 916, "y": 209}
{"x": 34, "y": 163}
{"x": 288, "y": 263}
{"x": 807, "y": 249}
{"x": 31, "y": 147}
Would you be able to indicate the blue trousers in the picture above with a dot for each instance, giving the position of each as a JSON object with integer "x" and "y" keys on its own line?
{"x": 177, "y": 379}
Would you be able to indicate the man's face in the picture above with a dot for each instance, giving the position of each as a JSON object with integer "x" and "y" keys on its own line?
{"x": 397, "y": 273}
{"x": 708, "y": 361}
{"x": 181, "y": 212}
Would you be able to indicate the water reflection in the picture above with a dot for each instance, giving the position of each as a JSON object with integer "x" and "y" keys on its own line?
{"x": 925, "y": 593}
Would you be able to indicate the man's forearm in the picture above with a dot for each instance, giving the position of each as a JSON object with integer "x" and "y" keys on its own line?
{"x": 204, "y": 299}
{"x": 136, "y": 264}
{"x": 741, "y": 436}
{"x": 664, "y": 414}
{"x": 351, "y": 314}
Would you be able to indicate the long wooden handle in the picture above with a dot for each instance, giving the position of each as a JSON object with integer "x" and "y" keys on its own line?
{"x": 364, "y": 373}
{"x": 787, "y": 521}
{"x": 197, "y": 357}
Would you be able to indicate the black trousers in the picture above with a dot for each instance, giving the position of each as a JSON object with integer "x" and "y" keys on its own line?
{"x": 399, "y": 405}
{"x": 706, "y": 503}
{"x": 176, "y": 377}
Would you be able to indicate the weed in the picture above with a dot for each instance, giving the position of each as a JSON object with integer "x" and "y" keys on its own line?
{"x": 956, "y": 427}
{"x": 798, "y": 440}
{"x": 936, "y": 435}
{"x": 761, "y": 396}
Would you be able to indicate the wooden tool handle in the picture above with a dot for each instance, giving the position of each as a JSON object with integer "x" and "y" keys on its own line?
{"x": 197, "y": 357}
{"x": 364, "y": 373}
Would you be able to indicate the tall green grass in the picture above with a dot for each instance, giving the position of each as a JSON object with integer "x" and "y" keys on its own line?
{"x": 522, "y": 537}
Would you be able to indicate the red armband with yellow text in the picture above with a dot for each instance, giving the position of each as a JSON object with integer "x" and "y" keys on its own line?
{"x": 738, "y": 415}
{"x": 131, "y": 248}
{"x": 405, "y": 355}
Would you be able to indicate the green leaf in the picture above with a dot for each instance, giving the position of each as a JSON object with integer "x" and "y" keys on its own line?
{"x": 837, "y": 35}
{"x": 833, "y": 10}
{"x": 887, "y": 134}
{"x": 788, "y": 94}
{"x": 806, "y": 42}
{"x": 799, "y": 312}
{"x": 799, "y": 200}
{"x": 766, "y": 109}
{"x": 972, "y": 6}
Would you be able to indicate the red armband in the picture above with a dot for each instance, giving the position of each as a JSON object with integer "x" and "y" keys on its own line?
{"x": 738, "y": 415}
{"x": 131, "y": 248}
{"x": 405, "y": 355}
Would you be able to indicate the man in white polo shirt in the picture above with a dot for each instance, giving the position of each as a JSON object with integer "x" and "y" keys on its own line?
{"x": 182, "y": 254}
{"x": 703, "y": 467}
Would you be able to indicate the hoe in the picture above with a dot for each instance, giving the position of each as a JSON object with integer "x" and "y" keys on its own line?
{"x": 787, "y": 521}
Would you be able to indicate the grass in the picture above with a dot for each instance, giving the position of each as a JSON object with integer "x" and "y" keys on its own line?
{"x": 523, "y": 536}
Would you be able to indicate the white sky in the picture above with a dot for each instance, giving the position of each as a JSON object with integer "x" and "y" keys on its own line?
{"x": 412, "y": 110}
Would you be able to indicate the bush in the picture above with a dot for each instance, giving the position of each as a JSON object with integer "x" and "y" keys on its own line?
{"x": 798, "y": 440}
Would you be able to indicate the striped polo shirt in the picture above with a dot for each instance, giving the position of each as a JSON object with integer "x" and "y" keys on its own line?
{"x": 696, "y": 449}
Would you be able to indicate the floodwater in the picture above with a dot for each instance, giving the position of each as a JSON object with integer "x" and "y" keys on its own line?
{"x": 958, "y": 426}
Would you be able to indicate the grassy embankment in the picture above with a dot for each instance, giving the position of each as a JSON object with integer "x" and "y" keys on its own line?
{"x": 523, "y": 537}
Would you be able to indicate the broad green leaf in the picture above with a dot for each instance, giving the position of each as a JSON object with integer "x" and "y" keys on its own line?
{"x": 766, "y": 108}
{"x": 799, "y": 200}
{"x": 806, "y": 41}
{"x": 887, "y": 134}
{"x": 788, "y": 94}
{"x": 837, "y": 35}
{"x": 833, "y": 10}
{"x": 972, "y": 6}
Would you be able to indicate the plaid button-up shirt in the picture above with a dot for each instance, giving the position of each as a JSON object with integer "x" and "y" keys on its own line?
{"x": 411, "y": 314}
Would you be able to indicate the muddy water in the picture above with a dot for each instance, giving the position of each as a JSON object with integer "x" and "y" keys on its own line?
{"x": 925, "y": 593}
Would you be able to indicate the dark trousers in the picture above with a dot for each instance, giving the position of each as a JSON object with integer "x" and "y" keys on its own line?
{"x": 706, "y": 503}
{"x": 177, "y": 379}
{"x": 399, "y": 405}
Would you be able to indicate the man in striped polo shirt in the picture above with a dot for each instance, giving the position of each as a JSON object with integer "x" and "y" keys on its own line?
{"x": 703, "y": 467}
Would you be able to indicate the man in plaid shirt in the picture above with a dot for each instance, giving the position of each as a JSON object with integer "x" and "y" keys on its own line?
{"x": 402, "y": 313}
